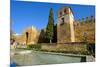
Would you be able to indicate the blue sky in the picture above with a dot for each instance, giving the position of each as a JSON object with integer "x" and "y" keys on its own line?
{"x": 26, "y": 14}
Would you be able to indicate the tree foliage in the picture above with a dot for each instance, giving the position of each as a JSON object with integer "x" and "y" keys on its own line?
{"x": 50, "y": 26}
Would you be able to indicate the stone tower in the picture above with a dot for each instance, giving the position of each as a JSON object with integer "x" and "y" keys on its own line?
{"x": 65, "y": 27}
{"x": 31, "y": 35}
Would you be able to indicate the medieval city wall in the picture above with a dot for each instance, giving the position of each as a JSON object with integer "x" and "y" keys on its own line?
{"x": 68, "y": 31}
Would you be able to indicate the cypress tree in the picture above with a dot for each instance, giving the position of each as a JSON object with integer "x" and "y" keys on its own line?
{"x": 50, "y": 26}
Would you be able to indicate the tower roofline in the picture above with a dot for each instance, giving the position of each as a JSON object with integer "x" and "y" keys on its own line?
{"x": 65, "y": 7}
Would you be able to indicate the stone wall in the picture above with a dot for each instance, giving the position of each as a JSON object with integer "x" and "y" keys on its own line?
{"x": 63, "y": 33}
{"x": 33, "y": 36}
{"x": 74, "y": 47}
{"x": 85, "y": 32}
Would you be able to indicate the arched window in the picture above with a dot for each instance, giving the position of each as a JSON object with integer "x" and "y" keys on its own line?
{"x": 66, "y": 11}
{"x": 27, "y": 35}
{"x": 62, "y": 23}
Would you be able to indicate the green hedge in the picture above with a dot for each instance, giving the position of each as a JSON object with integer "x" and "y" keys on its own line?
{"x": 34, "y": 46}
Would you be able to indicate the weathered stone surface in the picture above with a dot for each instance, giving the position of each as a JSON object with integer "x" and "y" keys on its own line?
{"x": 33, "y": 35}
{"x": 85, "y": 32}
{"x": 65, "y": 27}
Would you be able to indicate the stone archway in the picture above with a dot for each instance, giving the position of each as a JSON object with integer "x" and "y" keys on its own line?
{"x": 27, "y": 37}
